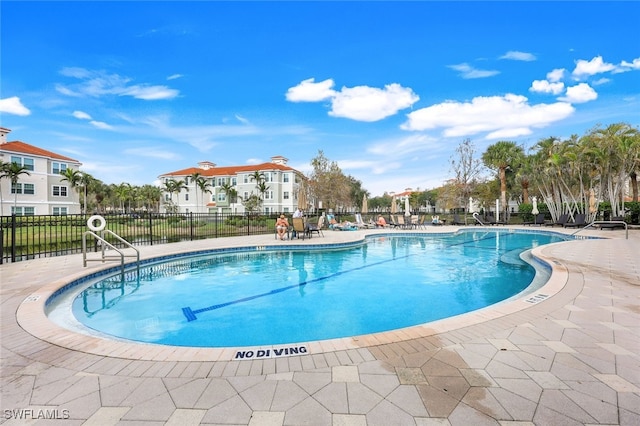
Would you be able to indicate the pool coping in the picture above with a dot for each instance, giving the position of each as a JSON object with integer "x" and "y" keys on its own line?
{"x": 31, "y": 316}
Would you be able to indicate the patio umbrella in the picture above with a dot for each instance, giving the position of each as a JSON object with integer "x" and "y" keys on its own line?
{"x": 592, "y": 202}
{"x": 365, "y": 207}
{"x": 394, "y": 207}
{"x": 302, "y": 198}
{"x": 535, "y": 210}
{"x": 407, "y": 207}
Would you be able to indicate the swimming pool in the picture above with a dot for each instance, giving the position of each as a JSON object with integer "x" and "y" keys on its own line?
{"x": 300, "y": 295}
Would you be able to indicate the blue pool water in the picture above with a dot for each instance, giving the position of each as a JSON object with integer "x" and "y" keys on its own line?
{"x": 289, "y": 296}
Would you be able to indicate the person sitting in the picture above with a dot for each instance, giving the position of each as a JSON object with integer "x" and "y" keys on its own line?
{"x": 282, "y": 224}
{"x": 435, "y": 220}
{"x": 381, "y": 223}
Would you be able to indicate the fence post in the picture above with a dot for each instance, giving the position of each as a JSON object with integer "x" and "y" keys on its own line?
{"x": 150, "y": 229}
{"x": 191, "y": 225}
{"x": 13, "y": 237}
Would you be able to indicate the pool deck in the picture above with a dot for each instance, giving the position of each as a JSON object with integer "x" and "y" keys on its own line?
{"x": 567, "y": 354}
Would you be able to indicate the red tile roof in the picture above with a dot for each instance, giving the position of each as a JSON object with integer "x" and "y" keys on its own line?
{"x": 26, "y": 149}
{"x": 230, "y": 170}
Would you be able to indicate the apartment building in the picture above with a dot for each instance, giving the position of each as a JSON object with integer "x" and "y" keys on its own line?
{"x": 282, "y": 185}
{"x": 42, "y": 191}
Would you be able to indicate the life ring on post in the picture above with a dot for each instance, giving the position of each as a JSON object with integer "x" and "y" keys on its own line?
{"x": 101, "y": 225}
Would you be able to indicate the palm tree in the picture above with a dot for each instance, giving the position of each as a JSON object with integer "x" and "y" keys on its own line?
{"x": 123, "y": 192}
{"x": 4, "y": 167}
{"x": 13, "y": 172}
{"x": 230, "y": 192}
{"x": 203, "y": 185}
{"x": 86, "y": 180}
{"x": 501, "y": 156}
{"x": 178, "y": 186}
{"x": 261, "y": 184}
{"x": 169, "y": 186}
{"x": 74, "y": 177}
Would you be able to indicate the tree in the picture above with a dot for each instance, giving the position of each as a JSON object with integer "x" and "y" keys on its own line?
{"x": 230, "y": 192}
{"x": 123, "y": 192}
{"x": 4, "y": 168}
{"x": 74, "y": 178}
{"x": 499, "y": 157}
{"x": 13, "y": 173}
{"x": 86, "y": 181}
{"x": 466, "y": 169}
{"x": 327, "y": 184}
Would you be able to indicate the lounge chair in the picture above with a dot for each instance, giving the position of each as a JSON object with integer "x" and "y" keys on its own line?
{"x": 361, "y": 223}
{"x": 579, "y": 221}
{"x": 537, "y": 220}
{"x": 457, "y": 220}
{"x": 613, "y": 226}
{"x": 490, "y": 220}
{"x": 564, "y": 218}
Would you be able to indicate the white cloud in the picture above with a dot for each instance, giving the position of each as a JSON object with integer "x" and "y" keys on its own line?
{"x": 518, "y": 56}
{"x": 365, "y": 103}
{"x": 635, "y": 64}
{"x": 100, "y": 83}
{"x": 543, "y": 86}
{"x": 579, "y": 94}
{"x": 495, "y": 115}
{"x": 468, "y": 72}
{"x": 80, "y": 115}
{"x": 362, "y": 103}
{"x": 242, "y": 119}
{"x": 309, "y": 91}
{"x": 600, "y": 81}
{"x": 556, "y": 75}
{"x": 174, "y": 76}
{"x": 14, "y": 106}
{"x": 588, "y": 68}
{"x": 100, "y": 125}
{"x": 149, "y": 93}
{"x": 152, "y": 153}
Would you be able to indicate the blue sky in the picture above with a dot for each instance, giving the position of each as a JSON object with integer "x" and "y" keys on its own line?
{"x": 386, "y": 89}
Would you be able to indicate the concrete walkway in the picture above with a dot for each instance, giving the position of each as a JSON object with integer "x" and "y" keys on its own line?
{"x": 568, "y": 355}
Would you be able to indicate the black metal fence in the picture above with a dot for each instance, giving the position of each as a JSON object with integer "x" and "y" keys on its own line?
{"x": 31, "y": 237}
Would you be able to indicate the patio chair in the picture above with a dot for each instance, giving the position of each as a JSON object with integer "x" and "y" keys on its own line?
{"x": 578, "y": 222}
{"x": 537, "y": 220}
{"x": 564, "y": 218}
{"x": 317, "y": 228}
{"x": 457, "y": 220}
{"x": 299, "y": 228}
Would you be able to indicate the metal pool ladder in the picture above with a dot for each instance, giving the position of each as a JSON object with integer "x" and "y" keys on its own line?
{"x": 104, "y": 244}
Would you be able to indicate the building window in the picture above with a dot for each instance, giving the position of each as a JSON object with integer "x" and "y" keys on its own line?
{"x": 245, "y": 196}
{"x": 268, "y": 177}
{"x": 186, "y": 197}
{"x": 59, "y": 211}
{"x": 234, "y": 181}
{"x": 222, "y": 196}
{"x": 245, "y": 179}
{"x": 59, "y": 191}
{"x": 166, "y": 197}
{"x": 268, "y": 195}
{"x": 285, "y": 195}
{"x": 23, "y": 188}
{"x": 23, "y": 211}
{"x": 285, "y": 177}
{"x": 222, "y": 181}
{"x": 57, "y": 168}
{"x": 27, "y": 163}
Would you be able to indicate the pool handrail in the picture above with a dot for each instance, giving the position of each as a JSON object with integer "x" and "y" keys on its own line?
{"x": 475, "y": 216}
{"x": 103, "y": 244}
{"x": 603, "y": 222}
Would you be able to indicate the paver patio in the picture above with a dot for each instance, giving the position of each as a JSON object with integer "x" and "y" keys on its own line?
{"x": 570, "y": 358}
